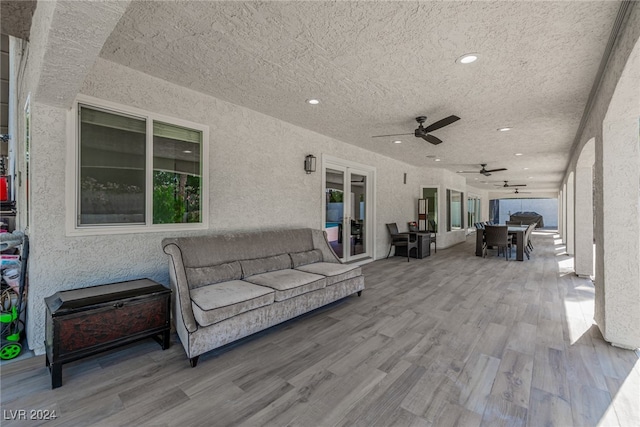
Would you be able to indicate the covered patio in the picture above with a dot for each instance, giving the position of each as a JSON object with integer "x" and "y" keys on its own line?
{"x": 446, "y": 340}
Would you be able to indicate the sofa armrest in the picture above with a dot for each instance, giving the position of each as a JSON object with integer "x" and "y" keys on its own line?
{"x": 320, "y": 241}
{"x": 180, "y": 288}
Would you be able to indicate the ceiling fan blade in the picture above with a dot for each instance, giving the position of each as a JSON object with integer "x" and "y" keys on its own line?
{"x": 466, "y": 171}
{"x": 395, "y": 134}
{"x": 497, "y": 170}
{"x": 485, "y": 173}
{"x": 441, "y": 123}
{"x": 432, "y": 139}
{"x": 517, "y": 185}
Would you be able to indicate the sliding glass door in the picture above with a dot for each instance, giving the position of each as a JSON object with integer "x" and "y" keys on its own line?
{"x": 473, "y": 210}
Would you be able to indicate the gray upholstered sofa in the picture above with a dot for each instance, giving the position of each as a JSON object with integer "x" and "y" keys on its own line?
{"x": 228, "y": 286}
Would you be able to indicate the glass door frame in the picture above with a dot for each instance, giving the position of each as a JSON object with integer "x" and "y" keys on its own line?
{"x": 477, "y": 210}
{"x": 369, "y": 231}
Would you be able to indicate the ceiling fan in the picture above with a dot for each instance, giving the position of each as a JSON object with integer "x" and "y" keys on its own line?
{"x": 484, "y": 171}
{"x": 521, "y": 192}
{"x": 424, "y": 132}
{"x": 507, "y": 185}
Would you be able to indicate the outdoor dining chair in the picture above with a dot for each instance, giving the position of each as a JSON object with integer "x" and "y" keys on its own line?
{"x": 401, "y": 240}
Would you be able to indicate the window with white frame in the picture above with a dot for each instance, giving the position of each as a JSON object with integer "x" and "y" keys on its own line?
{"x": 135, "y": 169}
{"x": 455, "y": 210}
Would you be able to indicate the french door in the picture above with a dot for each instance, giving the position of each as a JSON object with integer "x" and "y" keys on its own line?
{"x": 348, "y": 209}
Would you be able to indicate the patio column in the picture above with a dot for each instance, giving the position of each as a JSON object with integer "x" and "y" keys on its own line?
{"x": 617, "y": 305}
{"x": 560, "y": 212}
{"x": 584, "y": 221}
{"x": 570, "y": 221}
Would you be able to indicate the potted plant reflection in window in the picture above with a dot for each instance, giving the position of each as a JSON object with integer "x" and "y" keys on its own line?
{"x": 111, "y": 202}
{"x": 176, "y": 198}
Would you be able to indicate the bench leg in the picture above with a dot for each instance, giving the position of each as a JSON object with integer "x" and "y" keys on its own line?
{"x": 166, "y": 340}
{"x": 56, "y": 374}
{"x": 359, "y": 293}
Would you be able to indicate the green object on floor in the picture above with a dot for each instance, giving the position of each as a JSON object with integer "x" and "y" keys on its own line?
{"x": 10, "y": 350}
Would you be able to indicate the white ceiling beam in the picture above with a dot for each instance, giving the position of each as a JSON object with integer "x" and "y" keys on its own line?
{"x": 66, "y": 39}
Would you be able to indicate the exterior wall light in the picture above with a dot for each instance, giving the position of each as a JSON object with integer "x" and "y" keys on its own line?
{"x": 310, "y": 163}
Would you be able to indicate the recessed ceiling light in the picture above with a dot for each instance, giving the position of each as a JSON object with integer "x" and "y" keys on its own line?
{"x": 467, "y": 58}
{"x": 475, "y": 179}
{"x": 397, "y": 141}
{"x": 313, "y": 101}
{"x": 530, "y": 177}
{"x": 187, "y": 151}
{"x": 518, "y": 154}
{"x": 504, "y": 129}
{"x": 525, "y": 169}
{"x": 436, "y": 160}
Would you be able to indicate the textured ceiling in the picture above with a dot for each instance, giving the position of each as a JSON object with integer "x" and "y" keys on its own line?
{"x": 375, "y": 66}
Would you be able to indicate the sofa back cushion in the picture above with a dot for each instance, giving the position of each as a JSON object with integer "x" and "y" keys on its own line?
{"x": 264, "y": 265}
{"x": 306, "y": 257}
{"x": 202, "y": 276}
{"x": 211, "y": 250}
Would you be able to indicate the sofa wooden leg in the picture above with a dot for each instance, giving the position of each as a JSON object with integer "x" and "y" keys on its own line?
{"x": 194, "y": 361}
{"x": 359, "y": 293}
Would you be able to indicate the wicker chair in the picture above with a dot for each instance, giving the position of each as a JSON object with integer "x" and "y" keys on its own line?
{"x": 497, "y": 236}
{"x": 401, "y": 240}
{"x": 528, "y": 246}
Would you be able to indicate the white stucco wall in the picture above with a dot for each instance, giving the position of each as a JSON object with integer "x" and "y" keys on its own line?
{"x": 256, "y": 181}
{"x": 614, "y": 315}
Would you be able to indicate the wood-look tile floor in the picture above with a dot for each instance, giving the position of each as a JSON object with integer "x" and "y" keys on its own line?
{"x": 452, "y": 339}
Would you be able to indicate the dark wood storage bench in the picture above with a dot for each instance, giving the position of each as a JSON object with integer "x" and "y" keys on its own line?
{"x": 86, "y": 321}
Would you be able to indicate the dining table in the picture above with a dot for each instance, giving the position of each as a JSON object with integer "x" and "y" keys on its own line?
{"x": 513, "y": 230}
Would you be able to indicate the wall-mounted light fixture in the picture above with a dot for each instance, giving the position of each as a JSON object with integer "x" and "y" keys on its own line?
{"x": 310, "y": 163}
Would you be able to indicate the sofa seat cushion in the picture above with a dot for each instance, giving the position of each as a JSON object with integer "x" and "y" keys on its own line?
{"x": 334, "y": 272}
{"x": 220, "y": 301}
{"x": 289, "y": 283}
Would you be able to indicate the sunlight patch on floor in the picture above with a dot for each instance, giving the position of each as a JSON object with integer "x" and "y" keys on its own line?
{"x": 579, "y": 311}
{"x": 561, "y": 251}
{"x": 577, "y": 325}
{"x": 625, "y": 401}
{"x": 565, "y": 266}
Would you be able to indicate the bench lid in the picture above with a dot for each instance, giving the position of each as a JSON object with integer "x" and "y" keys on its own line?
{"x": 63, "y": 302}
